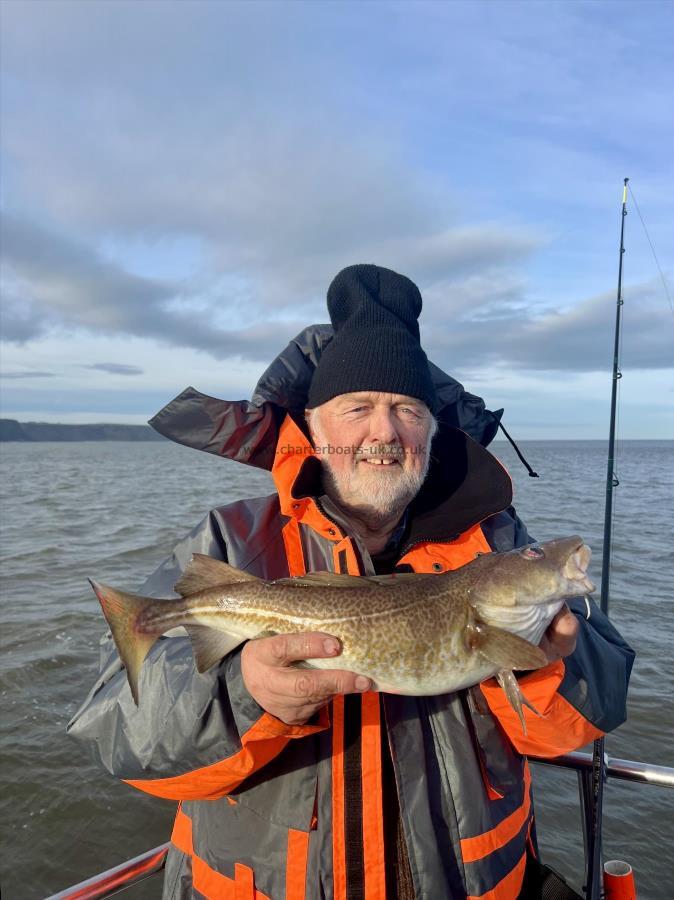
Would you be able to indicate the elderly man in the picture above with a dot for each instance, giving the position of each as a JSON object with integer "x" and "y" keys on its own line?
{"x": 297, "y": 783}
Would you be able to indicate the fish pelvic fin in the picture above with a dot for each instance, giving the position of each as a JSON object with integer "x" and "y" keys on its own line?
{"x": 515, "y": 696}
{"x": 204, "y": 572}
{"x": 122, "y": 611}
{"x": 210, "y": 645}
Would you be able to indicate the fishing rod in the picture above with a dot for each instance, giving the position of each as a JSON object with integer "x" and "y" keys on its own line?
{"x": 593, "y": 879}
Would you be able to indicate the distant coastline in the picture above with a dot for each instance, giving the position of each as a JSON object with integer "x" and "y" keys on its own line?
{"x": 33, "y": 432}
{"x": 13, "y": 430}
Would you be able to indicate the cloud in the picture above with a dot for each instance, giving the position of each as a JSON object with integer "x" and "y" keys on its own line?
{"x": 114, "y": 368}
{"x": 476, "y": 308}
{"x": 284, "y": 186}
{"x": 20, "y": 375}
{"x": 498, "y": 328}
{"x": 58, "y": 282}
{"x": 19, "y": 321}
{"x": 284, "y": 146}
{"x": 69, "y": 281}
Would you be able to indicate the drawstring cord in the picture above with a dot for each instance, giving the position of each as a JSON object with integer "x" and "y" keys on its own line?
{"x": 517, "y": 450}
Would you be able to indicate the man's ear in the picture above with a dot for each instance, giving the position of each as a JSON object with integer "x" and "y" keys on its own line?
{"x": 309, "y": 415}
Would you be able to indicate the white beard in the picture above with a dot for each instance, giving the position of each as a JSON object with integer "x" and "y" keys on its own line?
{"x": 372, "y": 495}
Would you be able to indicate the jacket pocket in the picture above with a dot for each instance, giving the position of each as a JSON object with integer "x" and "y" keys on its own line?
{"x": 500, "y": 762}
{"x": 235, "y": 853}
{"x": 284, "y": 791}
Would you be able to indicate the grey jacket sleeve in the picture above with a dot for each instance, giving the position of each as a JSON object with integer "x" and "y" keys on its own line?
{"x": 187, "y": 724}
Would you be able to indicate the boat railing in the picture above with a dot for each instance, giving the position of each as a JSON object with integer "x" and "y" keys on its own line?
{"x": 146, "y": 865}
{"x": 118, "y": 879}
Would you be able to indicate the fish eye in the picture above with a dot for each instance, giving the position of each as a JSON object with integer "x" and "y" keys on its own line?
{"x": 533, "y": 552}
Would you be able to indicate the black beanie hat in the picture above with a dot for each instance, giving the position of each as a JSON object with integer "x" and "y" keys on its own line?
{"x": 375, "y": 347}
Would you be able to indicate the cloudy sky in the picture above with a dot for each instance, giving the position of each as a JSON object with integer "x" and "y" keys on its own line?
{"x": 181, "y": 181}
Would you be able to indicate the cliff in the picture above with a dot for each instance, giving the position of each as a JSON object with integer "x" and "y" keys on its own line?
{"x": 11, "y": 430}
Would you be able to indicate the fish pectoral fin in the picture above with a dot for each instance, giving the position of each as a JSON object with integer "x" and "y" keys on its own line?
{"x": 506, "y": 650}
{"x": 204, "y": 572}
{"x": 514, "y": 694}
{"x": 210, "y": 645}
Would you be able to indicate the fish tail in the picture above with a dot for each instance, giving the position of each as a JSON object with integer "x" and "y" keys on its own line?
{"x": 122, "y": 612}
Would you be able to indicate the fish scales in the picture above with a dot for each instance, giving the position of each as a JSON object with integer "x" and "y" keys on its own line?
{"x": 415, "y": 631}
{"x": 412, "y": 634}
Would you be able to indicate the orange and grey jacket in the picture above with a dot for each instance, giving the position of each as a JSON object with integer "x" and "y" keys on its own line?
{"x": 268, "y": 810}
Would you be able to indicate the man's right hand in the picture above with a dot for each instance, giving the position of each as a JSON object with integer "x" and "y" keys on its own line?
{"x": 293, "y": 695}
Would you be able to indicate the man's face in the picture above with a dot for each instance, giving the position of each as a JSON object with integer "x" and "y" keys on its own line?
{"x": 374, "y": 448}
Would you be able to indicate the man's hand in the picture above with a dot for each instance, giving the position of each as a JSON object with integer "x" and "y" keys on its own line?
{"x": 560, "y": 637}
{"x": 294, "y": 695}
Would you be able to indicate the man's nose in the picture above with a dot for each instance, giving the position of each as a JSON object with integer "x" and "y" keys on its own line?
{"x": 382, "y": 427}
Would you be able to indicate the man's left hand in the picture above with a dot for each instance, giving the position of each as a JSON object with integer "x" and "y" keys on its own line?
{"x": 561, "y": 635}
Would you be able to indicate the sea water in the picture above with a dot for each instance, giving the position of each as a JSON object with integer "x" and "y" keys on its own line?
{"x": 113, "y": 511}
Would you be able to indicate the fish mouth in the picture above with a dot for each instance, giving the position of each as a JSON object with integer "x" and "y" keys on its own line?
{"x": 575, "y": 569}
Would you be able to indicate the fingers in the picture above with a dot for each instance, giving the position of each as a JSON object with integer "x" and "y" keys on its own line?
{"x": 318, "y": 685}
{"x": 294, "y": 694}
{"x": 563, "y": 631}
{"x": 285, "y": 649}
{"x": 298, "y": 694}
{"x": 565, "y": 621}
{"x": 561, "y": 636}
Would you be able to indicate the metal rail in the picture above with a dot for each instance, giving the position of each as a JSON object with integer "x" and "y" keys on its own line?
{"x": 140, "y": 867}
{"x": 118, "y": 879}
{"x": 621, "y": 769}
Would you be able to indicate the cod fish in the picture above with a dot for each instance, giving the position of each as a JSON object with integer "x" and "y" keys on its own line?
{"x": 409, "y": 633}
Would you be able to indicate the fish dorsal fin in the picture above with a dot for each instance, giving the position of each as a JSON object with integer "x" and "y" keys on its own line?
{"x": 204, "y": 572}
{"x": 322, "y": 579}
{"x": 337, "y": 579}
{"x": 399, "y": 578}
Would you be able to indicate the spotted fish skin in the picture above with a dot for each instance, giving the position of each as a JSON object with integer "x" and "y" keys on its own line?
{"x": 410, "y": 634}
